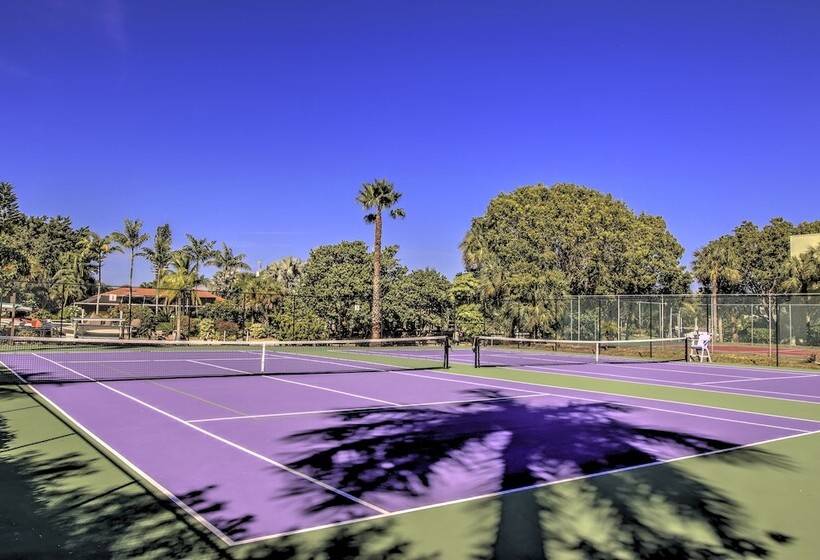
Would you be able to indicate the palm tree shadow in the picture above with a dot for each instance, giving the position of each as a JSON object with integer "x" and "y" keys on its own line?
{"x": 412, "y": 457}
{"x": 62, "y": 504}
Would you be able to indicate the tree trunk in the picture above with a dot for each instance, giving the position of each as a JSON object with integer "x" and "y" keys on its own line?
{"x": 178, "y": 318}
{"x": 713, "y": 328}
{"x": 99, "y": 289}
{"x": 519, "y": 532}
{"x": 156, "y": 295}
{"x": 130, "y": 291}
{"x": 13, "y": 302}
{"x": 376, "y": 307}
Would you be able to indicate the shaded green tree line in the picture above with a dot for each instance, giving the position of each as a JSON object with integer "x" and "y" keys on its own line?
{"x": 530, "y": 249}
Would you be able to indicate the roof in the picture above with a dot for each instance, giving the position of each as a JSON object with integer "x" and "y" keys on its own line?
{"x": 122, "y": 292}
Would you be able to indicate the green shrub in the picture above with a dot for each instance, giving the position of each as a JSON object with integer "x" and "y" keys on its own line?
{"x": 207, "y": 329}
{"x": 258, "y": 330}
{"x": 70, "y": 312}
{"x": 222, "y": 310}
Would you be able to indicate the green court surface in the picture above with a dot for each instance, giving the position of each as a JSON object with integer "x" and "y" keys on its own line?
{"x": 63, "y": 497}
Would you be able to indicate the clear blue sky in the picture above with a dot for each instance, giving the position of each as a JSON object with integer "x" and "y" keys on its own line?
{"x": 255, "y": 122}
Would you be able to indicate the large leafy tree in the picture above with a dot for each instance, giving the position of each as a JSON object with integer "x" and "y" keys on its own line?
{"x": 130, "y": 240}
{"x": 763, "y": 256}
{"x": 376, "y": 198}
{"x": 418, "y": 304}
{"x": 538, "y": 243}
{"x": 336, "y": 284}
{"x": 160, "y": 255}
{"x": 13, "y": 261}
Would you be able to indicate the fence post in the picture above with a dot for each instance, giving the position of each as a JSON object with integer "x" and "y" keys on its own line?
{"x": 293, "y": 316}
{"x": 598, "y": 326}
{"x": 62, "y": 307}
{"x": 776, "y": 331}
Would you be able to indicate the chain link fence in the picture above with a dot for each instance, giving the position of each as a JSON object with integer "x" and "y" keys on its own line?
{"x": 55, "y": 310}
{"x": 769, "y": 329}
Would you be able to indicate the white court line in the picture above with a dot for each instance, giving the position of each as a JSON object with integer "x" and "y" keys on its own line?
{"x": 528, "y": 487}
{"x": 589, "y": 372}
{"x": 162, "y": 490}
{"x": 499, "y": 493}
{"x": 755, "y": 379}
{"x": 607, "y": 364}
{"x": 226, "y": 441}
{"x": 366, "y": 408}
{"x": 691, "y": 367}
{"x": 152, "y": 360}
{"x": 627, "y": 404}
{"x": 693, "y": 388}
{"x": 298, "y": 383}
{"x": 657, "y": 382}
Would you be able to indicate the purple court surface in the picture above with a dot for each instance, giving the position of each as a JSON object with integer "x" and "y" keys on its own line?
{"x": 260, "y": 456}
{"x": 754, "y": 381}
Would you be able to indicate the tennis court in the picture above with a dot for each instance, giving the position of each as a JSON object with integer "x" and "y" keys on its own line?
{"x": 630, "y": 361}
{"x": 294, "y": 438}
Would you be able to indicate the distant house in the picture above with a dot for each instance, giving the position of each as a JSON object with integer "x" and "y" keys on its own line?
{"x": 140, "y": 296}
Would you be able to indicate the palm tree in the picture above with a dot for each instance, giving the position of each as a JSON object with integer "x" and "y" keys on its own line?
{"x": 70, "y": 277}
{"x": 229, "y": 265}
{"x": 261, "y": 294}
{"x": 714, "y": 264}
{"x": 201, "y": 251}
{"x": 99, "y": 248}
{"x": 130, "y": 239}
{"x": 376, "y": 197}
{"x": 178, "y": 286}
{"x": 287, "y": 271}
{"x": 228, "y": 261}
{"x": 473, "y": 247}
{"x": 160, "y": 257}
{"x": 803, "y": 272}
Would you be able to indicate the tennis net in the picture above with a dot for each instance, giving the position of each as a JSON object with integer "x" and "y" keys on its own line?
{"x": 501, "y": 351}
{"x": 60, "y": 360}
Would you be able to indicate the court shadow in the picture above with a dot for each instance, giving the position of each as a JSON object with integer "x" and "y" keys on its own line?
{"x": 618, "y": 501}
{"x": 60, "y": 498}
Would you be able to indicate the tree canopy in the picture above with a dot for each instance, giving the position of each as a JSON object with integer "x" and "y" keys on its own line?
{"x": 538, "y": 243}
{"x": 760, "y": 256}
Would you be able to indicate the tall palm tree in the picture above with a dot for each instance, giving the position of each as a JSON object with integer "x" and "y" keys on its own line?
{"x": 160, "y": 257}
{"x": 803, "y": 272}
{"x": 130, "y": 239}
{"x": 376, "y": 197}
{"x": 201, "y": 251}
{"x": 99, "y": 248}
{"x": 714, "y": 264}
{"x": 178, "y": 286}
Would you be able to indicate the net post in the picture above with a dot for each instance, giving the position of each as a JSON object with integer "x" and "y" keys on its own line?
{"x": 597, "y": 351}
{"x": 262, "y": 359}
{"x": 476, "y": 353}
{"x": 446, "y": 352}
{"x": 686, "y": 348}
